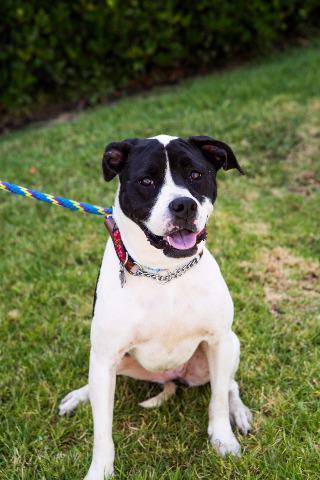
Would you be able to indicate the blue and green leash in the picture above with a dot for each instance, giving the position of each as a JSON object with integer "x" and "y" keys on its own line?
{"x": 54, "y": 200}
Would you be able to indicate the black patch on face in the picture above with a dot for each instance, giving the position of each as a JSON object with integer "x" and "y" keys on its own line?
{"x": 147, "y": 159}
{"x": 185, "y": 159}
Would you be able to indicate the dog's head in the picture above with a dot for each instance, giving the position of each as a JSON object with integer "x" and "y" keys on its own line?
{"x": 168, "y": 186}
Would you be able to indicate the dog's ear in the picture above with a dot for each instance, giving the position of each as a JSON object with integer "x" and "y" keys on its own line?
{"x": 114, "y": 158}
{"x": 218, "y": 153}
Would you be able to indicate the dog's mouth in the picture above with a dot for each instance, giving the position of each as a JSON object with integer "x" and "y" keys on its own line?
{"x": 178, "y": 242}
{"x": 181, "y": 239}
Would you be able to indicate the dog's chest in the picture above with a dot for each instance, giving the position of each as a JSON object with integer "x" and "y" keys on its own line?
{"x": 170, "y": 327}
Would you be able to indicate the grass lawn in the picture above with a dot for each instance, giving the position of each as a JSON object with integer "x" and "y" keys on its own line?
{"x": 264, "y": 234}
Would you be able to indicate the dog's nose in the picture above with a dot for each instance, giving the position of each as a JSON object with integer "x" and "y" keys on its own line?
{"x": 183, "y": 207}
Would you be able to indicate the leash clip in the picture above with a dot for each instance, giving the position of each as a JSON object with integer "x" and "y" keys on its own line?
{"x": 122, "y": 275}
{"x": 122, "y": 271}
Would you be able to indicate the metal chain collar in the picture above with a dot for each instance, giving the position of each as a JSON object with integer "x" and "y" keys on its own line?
{"x": 164, "y": 278}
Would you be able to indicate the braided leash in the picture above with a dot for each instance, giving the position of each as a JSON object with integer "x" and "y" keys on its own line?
{"x": 53, "y": 200}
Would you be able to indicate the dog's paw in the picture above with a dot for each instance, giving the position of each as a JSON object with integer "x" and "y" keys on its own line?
{"x": 224, "y": 441}
{"x": 70, "y": 402}
{"x": 241, "y": 417}
{"x": 99, "y": 473}
{"x": 226, "y": 447}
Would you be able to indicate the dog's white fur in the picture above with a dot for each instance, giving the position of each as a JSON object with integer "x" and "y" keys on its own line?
{"x": 164, "y": 139}
{"x": 161, "y": 326}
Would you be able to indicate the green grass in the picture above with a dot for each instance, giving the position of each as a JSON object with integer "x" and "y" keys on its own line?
{"x": 264, "y": 234}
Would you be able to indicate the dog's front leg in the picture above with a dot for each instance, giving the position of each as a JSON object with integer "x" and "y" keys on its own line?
{"x": 222, "y": 360}
{"x": 102, "y": 380}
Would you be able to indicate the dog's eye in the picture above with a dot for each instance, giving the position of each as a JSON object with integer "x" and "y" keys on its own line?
{"x": 146, "y": 182}
{"x": 194, "y": 175}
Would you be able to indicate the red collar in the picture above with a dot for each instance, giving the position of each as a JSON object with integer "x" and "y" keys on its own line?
{"x": 124, "y": 258}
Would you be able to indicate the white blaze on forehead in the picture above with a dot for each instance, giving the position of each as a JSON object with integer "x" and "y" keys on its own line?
{"x": 170, "y": 188}
{"x": 160, "y": 221}
{"x": 164, "y": 139}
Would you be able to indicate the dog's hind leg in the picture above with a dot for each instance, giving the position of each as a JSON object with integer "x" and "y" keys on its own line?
{"x": 169, "y": 389}
{"x": 240, "y": 415}
{"x": 70, "y": 402}
{"x": 131, "y": 368}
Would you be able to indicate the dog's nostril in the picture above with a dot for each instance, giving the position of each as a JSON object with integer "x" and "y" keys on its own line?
{"x": 183, "y": 206}
{"x": 178, "y": 207}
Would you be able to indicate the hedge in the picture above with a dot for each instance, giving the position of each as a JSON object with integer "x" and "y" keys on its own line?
{"x": 85, "y": 49}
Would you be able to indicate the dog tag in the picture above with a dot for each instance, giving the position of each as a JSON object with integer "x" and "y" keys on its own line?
{"x": 122, "y": 275}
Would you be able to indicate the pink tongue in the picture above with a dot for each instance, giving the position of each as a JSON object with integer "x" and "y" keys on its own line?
{"x": 182, "y": 240}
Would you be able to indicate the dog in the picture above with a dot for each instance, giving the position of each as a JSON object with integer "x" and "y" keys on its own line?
{"x": 169, "y": 316}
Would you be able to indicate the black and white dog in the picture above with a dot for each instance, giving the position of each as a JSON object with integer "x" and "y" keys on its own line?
{"x": 171, "y": 319}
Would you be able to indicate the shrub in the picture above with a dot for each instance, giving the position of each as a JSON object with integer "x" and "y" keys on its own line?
{"x": 85, "y": 49}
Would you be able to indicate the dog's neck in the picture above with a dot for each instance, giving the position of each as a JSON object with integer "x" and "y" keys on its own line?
{"x": 138, "y": 246}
